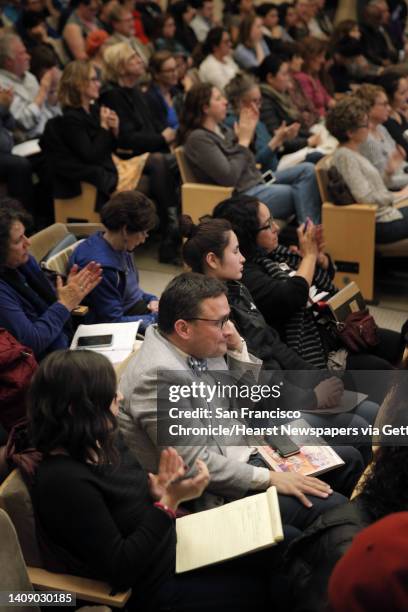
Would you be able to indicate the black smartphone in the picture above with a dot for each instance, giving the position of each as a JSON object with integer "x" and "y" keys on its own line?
{"x": 95, "y": 341}
{"x": 283, "y": 445}
{"x": 306, "y": 225}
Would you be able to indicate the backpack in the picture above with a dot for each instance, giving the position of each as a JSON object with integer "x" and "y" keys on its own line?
{"x": 17, "y": 366}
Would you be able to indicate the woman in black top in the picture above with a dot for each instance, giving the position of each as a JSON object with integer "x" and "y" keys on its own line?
{"x": 396, "y": 88}
{"x": 102, "y": 516}
{"x": 141, "y": 132}
{"x": 79, "y": 145}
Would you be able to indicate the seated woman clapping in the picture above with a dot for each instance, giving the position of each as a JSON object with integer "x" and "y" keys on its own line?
{"x": 221, "y": 155}
{"x": 31, "y": 309}
{"x": 348, "y": 122}
{"x": 102, "y": 516}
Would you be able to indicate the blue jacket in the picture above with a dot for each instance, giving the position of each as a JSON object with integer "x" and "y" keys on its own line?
{"x": 119, "y": 289}
{"x": 41, "y": 329}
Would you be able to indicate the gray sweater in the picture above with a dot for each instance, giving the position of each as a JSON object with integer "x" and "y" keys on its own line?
{"x": 220, "y": 160}
{"x": 365, "y": 183}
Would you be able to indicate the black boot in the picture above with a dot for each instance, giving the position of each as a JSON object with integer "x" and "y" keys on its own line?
{"x": 170, "y": 245}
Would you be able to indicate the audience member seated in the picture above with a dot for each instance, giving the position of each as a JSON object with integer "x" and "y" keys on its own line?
{"x": 162, "y": 93}
{"x": 313, "y": 52}
{"x": 308, "y": 114}
{"x": 234, "y": 12}
{"x": 165, "y": 39}
{"x": 194, "y": 331}
{"x": 218, "y": 67}
{"x": 396, "y": 88}
{"x": 213, "y": 249}
{"x": 121, "y": 19}
{"x": 127, "y": 217}
{"x": 277, "y": 108}
{"x": 15, "y": 171}
{"x": 279, "y": 281}
{"x": 80, "y": 23}
{"x": 104, "y": 517}
{"x": 304, "y": 11}
{"x": 139, "y": 133}
{"x": 348, "y": 122}
{"x": 320, "y": 24}
{"x": 146, "y": 14}
{"x": 269, "y": 14}
{"x": 252, "y": 47}
{"x": 346, "y": 34}
{"x": 32, "y": 28}
{"x": 380, "y": 148}
{"x": 95, "y": 48}
{"x": 378, "y": 46}
{"x": 383, "y": 492}
{"x": 79, "y": 145}
{"x": 30, "y": 106}
{"x": 203, "y": 20}
{"x": 220, "y": 155}
{"x": 287, "y": 21}
{"x": 30, "y": 308}
{"x": 243, "y": 93}
{"x": 183, "y": 14}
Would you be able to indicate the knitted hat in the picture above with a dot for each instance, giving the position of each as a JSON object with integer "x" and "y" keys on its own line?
{"x": 373, "y": 574}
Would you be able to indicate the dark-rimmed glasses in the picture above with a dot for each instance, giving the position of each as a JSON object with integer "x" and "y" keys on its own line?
{"x": 220, "y": 323}
{"x": 268, "y": 225}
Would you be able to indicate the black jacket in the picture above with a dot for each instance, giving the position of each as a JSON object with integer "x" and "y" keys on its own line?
{"x": 312, "y": 556}
{"x": 264, "y": 342}
{"x": 139, "y": 131}
{"x": 78, "y": 149}
{"x": 272, "y": 114}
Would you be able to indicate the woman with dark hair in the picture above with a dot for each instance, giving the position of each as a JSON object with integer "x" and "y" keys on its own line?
{"x": 217, "y": 67}
{"x": 163, "y": 89}
{"x": 280, "y": 281}
{"x": 277, "y": 106}
{"x": 383, "y": 491}
{"x": 348, "y": 122}
{"x": 396, "y": 88}
{"x": 165, "y": 39}
{"x": 183, "y": 14}
{"x": 31, "y": 309}
{"x": 310, "y": 77}
{"x": 103, "y": 517}
{"x": 127, "y": 217}
{"x": 252, "y": 47}
{"x": 221, "y": 155}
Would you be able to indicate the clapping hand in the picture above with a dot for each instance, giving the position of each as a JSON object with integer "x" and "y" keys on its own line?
{"x": 170, "y": 487}
{"x": 79, "y": 284}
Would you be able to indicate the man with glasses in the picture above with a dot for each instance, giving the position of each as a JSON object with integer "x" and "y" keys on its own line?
{"x": 188, "y": 347}
{"x": 122, "y": 22}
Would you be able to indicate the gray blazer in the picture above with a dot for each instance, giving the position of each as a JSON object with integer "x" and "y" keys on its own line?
{"x": 230, "y": 478}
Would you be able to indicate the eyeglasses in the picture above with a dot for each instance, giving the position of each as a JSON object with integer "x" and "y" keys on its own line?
{"x": 268, "y": 225}
{"x": 382, "y": 103}
{"x": 169, "y": 70}
{"x": 94, "y": 79}
{"x": 363, "y": 125}
{"x": 220, "y": 323}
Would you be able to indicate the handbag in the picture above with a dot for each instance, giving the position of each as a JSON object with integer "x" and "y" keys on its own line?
{"x": 358, "y": 332}
{"x": 129, "y": 171}
{"x": 338, "y": 191}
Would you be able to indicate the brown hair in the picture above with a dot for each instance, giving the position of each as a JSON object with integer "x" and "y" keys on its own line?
{"x": 310, "y": 47}
{"x": 345, "y": 117}
{"x": 245, "y": 28}
{"x": 73, "y": 80}
{"x": 369, "y": 93}
{"x": 193, "y": 116}
{"x": 210, "y": 236}
{"x": 157, "y": 60}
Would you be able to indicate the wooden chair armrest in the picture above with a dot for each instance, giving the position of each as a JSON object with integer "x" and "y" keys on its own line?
{"x": 205, "y": 187}
{"x": 371, "y": 208}
{"x": 84, "y": 229}
{"x": 84, "y": 588}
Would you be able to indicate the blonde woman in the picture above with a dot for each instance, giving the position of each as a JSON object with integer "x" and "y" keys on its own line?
{"x": 79, "y": 145}
{"x": 139, "y": 133}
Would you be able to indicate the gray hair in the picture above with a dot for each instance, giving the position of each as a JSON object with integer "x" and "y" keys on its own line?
{"x": 238, "y": 87}
{"x": 6, "y": 41}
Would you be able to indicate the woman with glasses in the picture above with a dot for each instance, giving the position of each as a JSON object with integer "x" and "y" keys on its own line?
{"x": 217, "y": 66}
{"x": 128, "y": 217}
{"x": 243, "y": 92}
{"x": 221, "y": 155}
{"x": 78, "y": 146}
{"x": 348, "y": 122}
{"x": 280, "y": 282}
{"x": 380, "y": 148}
{"x": 162, "y": 93}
